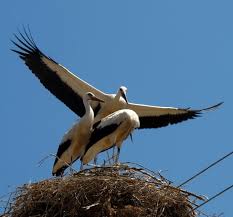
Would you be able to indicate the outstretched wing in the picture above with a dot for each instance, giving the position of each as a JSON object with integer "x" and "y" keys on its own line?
{"x": 56, "y": 78}
{"x": 155, "y": 116}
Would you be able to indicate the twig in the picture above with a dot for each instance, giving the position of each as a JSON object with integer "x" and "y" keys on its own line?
{"x": 55, "y": 156}
{"x": 8, "y": 202}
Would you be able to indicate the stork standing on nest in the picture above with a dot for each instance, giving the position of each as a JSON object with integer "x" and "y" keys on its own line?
{"x": 109, "y": 132}
{"x": 75, "y": 140}
{"x": 70, "y": 90}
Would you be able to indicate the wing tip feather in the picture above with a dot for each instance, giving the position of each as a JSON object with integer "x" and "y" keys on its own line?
{"x": 211, "y": 108}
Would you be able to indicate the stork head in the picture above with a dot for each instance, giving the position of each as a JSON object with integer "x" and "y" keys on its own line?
{"x": 90, "y": 96}
{"x": 123, "y": 91}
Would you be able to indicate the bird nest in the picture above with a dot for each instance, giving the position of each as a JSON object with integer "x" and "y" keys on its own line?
{"x": 102, "y": 191}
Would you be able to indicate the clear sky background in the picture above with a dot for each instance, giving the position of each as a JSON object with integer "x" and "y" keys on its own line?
{"x": 168, "y": 53}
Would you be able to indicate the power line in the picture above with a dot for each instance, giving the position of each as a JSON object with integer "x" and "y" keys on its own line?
{"x": 216, "y": 195}
{"x": 202, "y": 171}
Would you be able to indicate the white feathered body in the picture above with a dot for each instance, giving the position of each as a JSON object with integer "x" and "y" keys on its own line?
{"x": 124, "y": 122}
{"x": 75, "y": 140}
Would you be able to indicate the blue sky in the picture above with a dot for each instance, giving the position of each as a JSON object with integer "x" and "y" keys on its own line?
{"x": 168, "y": 53}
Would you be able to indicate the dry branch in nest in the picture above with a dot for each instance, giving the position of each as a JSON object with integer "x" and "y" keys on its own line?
{"x": 114, "y": 191}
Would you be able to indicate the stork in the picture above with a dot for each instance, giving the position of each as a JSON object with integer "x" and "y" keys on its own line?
{"x": 70, "y": 89}
{"x": 109, "y": 132}
{"x": 75, "y": 140}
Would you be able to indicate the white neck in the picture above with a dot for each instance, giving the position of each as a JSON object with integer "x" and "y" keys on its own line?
{"x": 88, "y": 117}
{"x": 118, "y": 95}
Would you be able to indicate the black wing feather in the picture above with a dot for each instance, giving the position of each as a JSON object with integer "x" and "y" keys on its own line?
{"x": 61, "y": 149}
{"x": 165, "y": 120}
{"x": 97, "y": 109}
{"x": 100, "y": 133}
{"x": 32, "y": 56}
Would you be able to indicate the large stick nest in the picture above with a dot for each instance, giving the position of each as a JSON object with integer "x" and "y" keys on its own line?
{"x": 98, "y": 192}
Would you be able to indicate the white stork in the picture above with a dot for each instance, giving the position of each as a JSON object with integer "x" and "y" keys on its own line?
{"x": 70, "y": 89}
{"x": 75, "y": 140}
{"x": 109, "y": 132}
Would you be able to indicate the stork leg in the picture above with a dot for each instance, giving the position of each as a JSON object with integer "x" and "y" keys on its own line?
{"x": 70, "y": 167}
{"x": 95, "y": 160}
{"x": 108, "y": 159}
{"x": 81, "y": 166}
{"x": 117, "y": 155}
{"x": 113, "y": 154}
